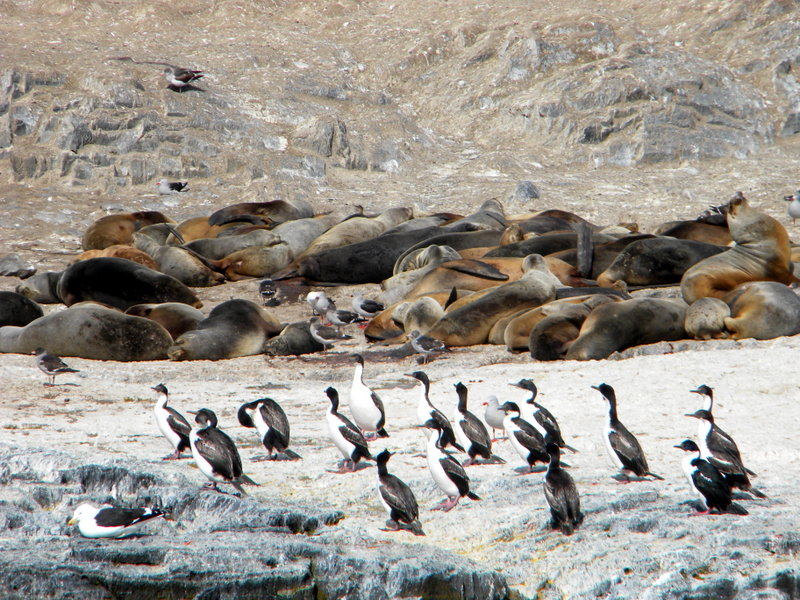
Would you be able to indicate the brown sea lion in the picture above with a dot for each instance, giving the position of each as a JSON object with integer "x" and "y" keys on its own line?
{"x": 120, "y": 283}
{"x": 420, "y": 314}
{"x": 383, "y": 326}
{"x": 694, "y": 230}
{"x": 762, "y": 253}
{"x": 119, "y": 251}
{"x": 272, "y": 212}
{"x": 468, "y": 321}
{"x": 176, "y": 317}
{"x": 256, "y": 261}
{"x": 619, "y": 325}
{"x": 762, "y": 310}
{"x": 234, "y": 328}
{"x": 89, "y": 330}
{"x": 705, "y": 318}
{"x": 118, "y": 229}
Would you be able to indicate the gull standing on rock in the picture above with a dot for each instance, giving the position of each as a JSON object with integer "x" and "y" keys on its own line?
{"x": 110, "y": 522}
{"x": 446, "y": 471}
{"x": 365, "y": 405}
{"x": 215, "y": 453}
{"x": 397, "y": 498}
{"x": 172, "y": 424}
{"x": 426, "y": 345}
{"x": 493, "y": 416}
{"x": 621, "y": 444}
{"x": 365, "y": 307}
{"x": 318, "y": 302}
{"x": 794, "y": 206}
{"x": 51, "y": 365}
{"x": 179, "y": 78}
{"x": 323, "y": 334}
{"x": 166, "y": 187}
{"x": 340, "y": 318}
{"x": 707, "y": 482}
{"x": 345, "y": 435}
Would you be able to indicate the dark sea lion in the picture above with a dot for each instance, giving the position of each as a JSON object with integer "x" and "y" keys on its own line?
{"x": 176, "y": 317}
{"x": 762, "y": 310}
{"x": 370, "y": 261}
{"x": 655, "y": 261}
{"x": 274, "y": 211}
{"x": 89, "y": 330}
{"x": 295, "y": 339}
{"x": 544, "y": 244}
{"x": 619, "y": 325}
{"x": 603, "y": 254}
{"x": 458, "y": 241}
{"x": 41, "y": 287}
{"x": 490, "y": 215}
{"x": 119, "y": 251}
{"x": 17, "y": 310}
{"x": 552, "y": 220}
{"x": 234, "y": 328}
{"x": 119, "y": 229}
{"x": 694, "y": 230}
{"x": 468, "y": 321}
{"x": 120, "y": 283}
{"x": 762, "y": 253}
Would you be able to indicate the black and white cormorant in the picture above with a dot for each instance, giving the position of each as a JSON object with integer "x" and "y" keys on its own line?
{"x": 110, "y": 522}
{"x": 172, "y": 424}
{"x": 538, "y": 416}
{"x": 561, "y": 494}
{"x": 622, "y": 445}
{"x": 471, "y": 431}
{"x": 446, "y": 471}
{"x": 526, "y": 439}
{"x": 215, "y": 453}
{"x": 365, "y": 307}
{"x": 397, "y": 498}
{"x": 51, "y": 365}
{"x": 345, "y": 435}
{"x": 718, "y": 448}
{"x": 272, "y": 425}
{"x": 426, "y": 410}
{"x": 365, "y": 405}
{"x": 707, "y": 482}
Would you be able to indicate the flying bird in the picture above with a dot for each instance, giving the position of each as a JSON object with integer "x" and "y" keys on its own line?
{"x": 171, "y": 423}
{"x": 51, "y": 365}
{"x": 397, "y": 498}
{"x": 621, "y": 444}
{"x": 110, "y": 522}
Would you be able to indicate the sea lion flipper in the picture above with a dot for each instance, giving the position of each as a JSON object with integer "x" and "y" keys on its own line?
{"x": 477, "y": 268}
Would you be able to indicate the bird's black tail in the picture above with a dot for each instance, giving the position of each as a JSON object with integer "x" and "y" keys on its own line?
{"x": 473, "y": 496}
{"x": 736, "y": 509}
{"x": 757, "y": 493}
{"x": 382, "y": 433}
{"x": 415, "y": 527}
{"x": 291, "y": 454}
{"x": 654, "y": 476}
{"x": 245, "y": 479}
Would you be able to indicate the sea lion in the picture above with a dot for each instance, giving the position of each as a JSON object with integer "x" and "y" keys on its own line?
{"x": 694, "y": 230}
{"x": 17, "y": 310}
{"x": 383, "y": 326}
{"x": 420, "y": 314}
{"x": 705, "y": 318}
{"x": 619, "y": 325}
{"x": 186, "y": 266}
{"x": 118, "y": 229}
{"x": 551, "y": 220}
{"x": 119, "y": 251}
{"x": 657, "y": 260}
{"x": 176, "y": 317}
{"x": 419, "y": 263}
{"x": 294, "y": 339}
{"x": 544, "y": 244}
{"x": 89, "y": 330}
{"x": 300, "y": 233}
{"x": 41, "y": 287}
{"x": 490, "y": 215}
{"x": 458, "y": 241}
{"x": 762, "y": 310}
{"x": 468, "y": 321}
{"x": 120, "y": 283}
{"x": 234, "y": 328}
{"x": 217, "y": 248}
{"x": 255, "y": 261}
{"x": 195, "y": 228}
{"x": 603, "y": 254}
{"x": 273, "y": 211}
{"x": 762, "y": 253}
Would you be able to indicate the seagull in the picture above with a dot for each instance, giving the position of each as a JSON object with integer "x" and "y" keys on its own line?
{"x": 794, "y": 206}
{"x": 397, "y": 498}
{"x": 622, "y": 445}
{"x": 365, "y": 307}
{"x": 561, "y": 494}
{"x": 446, "y": 471}
{"x": 345, "y": 435}
{"x": 171, "y": 187}
{"x": 340, "y": 318}
{"x": 318, "y": 302}
{"x": 365, "y": 405}
{"x": 426, "y": 345}
{"x": 493, "y": 415}
{"x": 215, "y": 453}
{"x": 323, "y": 334}
{"x": 471, "y": 431}
{"x": 110, "y": 522}
{"x": 426, "y": 410}
{"x": 171, "y": 423}
{"x": 707, "y": 482}
{"x": 51, "y": 365}
{"x": 179, "y": 78}
{"x": 270, "y": 420}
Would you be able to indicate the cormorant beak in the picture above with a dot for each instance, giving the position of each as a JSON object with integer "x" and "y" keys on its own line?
{"x": 596, "y": 387}
{"x": 690, "y": 415}
{"x": 192, "y": 412}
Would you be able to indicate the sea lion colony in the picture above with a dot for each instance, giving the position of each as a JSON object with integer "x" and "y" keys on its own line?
{"x": 548, "y": 283}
